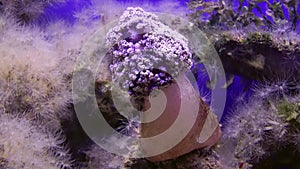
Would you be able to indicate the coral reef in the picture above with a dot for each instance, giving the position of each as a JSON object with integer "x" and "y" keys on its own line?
{"x": 256, "y": 40}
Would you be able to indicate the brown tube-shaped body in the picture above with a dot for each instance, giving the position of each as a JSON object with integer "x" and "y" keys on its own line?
{"x": 204, "y": 131}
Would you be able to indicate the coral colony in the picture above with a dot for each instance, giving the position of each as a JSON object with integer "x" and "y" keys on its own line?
{"x": 141, "y": 44}
{"x": 256, "y": 41}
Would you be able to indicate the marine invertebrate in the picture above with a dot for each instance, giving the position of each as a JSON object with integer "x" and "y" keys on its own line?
{"x": 140, "y": 45}
{"x": 31, "y": 84}
{"x": 129, "y": 126}
{"x": 289, "y": 111}
{"x": 204, "y": 132}
{"x": 254, "y": 132}
{"x": 26, "y": 146}
{"x": 253, "y": 36}
{"x": 25, "y": 11}
{"x": 237, "y": 48}
{"x": 271, "y": 90}
{"x": 146, "y": 53}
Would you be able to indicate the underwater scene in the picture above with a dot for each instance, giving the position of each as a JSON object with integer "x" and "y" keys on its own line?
{"x": 149, "y": 84}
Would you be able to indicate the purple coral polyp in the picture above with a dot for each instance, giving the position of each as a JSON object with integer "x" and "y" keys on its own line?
{"x": 146, "y": 53}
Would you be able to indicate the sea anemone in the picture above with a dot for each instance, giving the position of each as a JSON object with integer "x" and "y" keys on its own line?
{"x": 31, "y": 83}
{"x": 25, "y": 11}
{"x": 25, "y": 146}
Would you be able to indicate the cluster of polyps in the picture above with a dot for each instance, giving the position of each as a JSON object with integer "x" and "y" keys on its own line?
{"x": 146, "y": 52}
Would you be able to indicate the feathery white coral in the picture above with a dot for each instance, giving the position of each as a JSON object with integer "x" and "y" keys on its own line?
{"x": 26, "y": 147}
{"x": 252, "y": 133}
{"x": 31, "y": 83}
